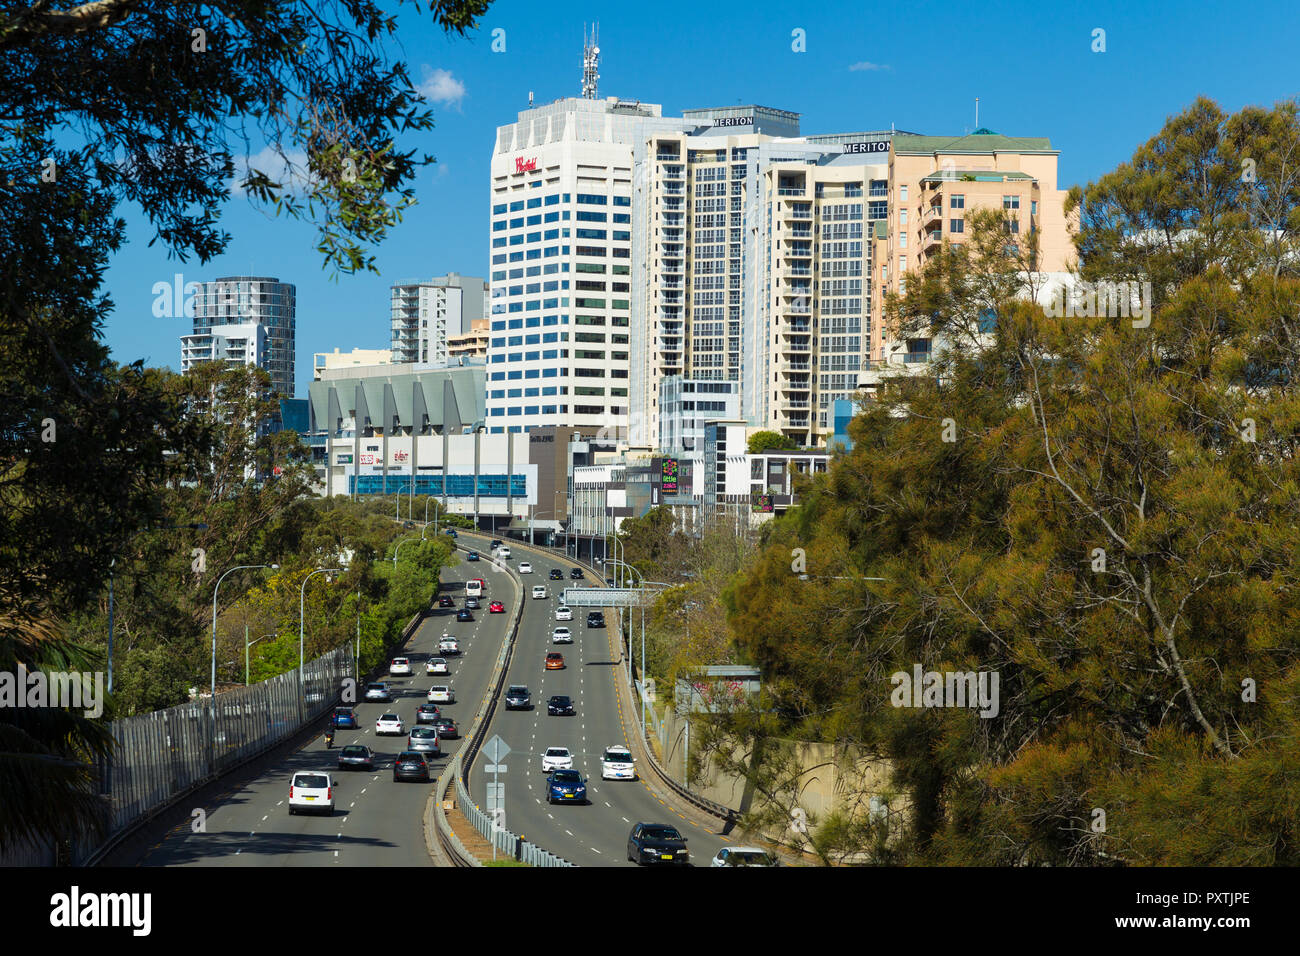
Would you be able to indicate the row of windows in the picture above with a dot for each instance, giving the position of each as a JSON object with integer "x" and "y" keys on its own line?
{"x": 456, "y": 486}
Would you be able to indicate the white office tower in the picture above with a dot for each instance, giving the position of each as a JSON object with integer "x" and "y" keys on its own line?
{"x": 426, "y": 313}
{"x": 562, "y": 249}
{"x": 245, "y": 320}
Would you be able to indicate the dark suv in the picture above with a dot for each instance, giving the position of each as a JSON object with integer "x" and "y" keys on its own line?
{"x": 559, "y": 706}
{"x": 409, "y": 765}
{"x": 556, "y": 574}
{"x": 575, "y": 573}
{"x": 595, "y": 619}
{"x": 518, "y": 698}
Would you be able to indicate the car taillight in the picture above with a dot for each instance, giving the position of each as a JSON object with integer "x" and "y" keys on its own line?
{"x": 329, "y": 793}
{"x": 290, "y": 791}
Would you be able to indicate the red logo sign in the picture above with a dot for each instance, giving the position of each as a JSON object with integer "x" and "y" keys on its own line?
{"x": 525, "y": 165}
{"x": 400, "y": 456}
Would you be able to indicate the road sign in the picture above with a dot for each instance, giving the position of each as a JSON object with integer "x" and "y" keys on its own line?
{"x": 496, "y": 749}
{"x": 495, "y": 768}
{"x": 496, "y": 796}
{"x": 602, "y": 597}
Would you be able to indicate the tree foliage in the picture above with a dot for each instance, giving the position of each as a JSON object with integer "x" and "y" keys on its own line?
{"x": 1113, "y": 532}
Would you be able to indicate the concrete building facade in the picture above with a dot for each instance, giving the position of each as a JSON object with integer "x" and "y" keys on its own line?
{"x": 245, "y": 320}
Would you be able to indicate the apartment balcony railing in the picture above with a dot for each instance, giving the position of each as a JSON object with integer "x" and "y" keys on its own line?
{"x": 916, "y": 358}
{"x": 799, "y": 250}
{"x": 796, "y": 403}
{"x": 789, "y": 191}
{"x": 797, "y": 212}
{"x": 799, "y": 233}
{"x": 668, "y": 157}
{"x": 795, "y": 366}
{"x": 933, "y": 238}
{"x": 796, "y": 270}
{"x": 932, "y": 214}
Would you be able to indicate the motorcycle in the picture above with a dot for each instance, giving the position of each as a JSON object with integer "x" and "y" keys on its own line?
{"x": 329, "y": 739}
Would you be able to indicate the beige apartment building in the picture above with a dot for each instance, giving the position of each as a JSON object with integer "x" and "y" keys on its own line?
{"x": 473, "y": 343}
{"x": 934, "y": 182}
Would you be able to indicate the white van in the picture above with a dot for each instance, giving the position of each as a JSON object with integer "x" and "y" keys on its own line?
{"x": 539, "y": 591}
{"x": 474, "y": 587}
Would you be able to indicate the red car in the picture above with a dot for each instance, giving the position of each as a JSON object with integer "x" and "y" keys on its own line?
{"x": 496, "y": 607}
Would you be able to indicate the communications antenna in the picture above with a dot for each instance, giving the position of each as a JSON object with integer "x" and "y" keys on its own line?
{"x": 590, "y": 61}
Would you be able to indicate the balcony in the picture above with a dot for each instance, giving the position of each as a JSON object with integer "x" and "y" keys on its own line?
{"x": 798, "y": 211}
{"x": 916, "y": 358}
{"x": 799, "y": 250}
{"x": 933, "y": 214}
{"x": 796, "y": 327}
{"x": 794, "y": 366}
{"x": 799, "y": 233}
{"x": 795, "y": 403}
{"x": 791, "y": 191}
{"x": 932, "y": 239}
{"x": 668, "y": 157}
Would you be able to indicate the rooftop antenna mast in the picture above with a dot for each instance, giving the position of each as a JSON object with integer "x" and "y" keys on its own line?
{"x": 590, "y": 61}
{"x": 977, "y": 112}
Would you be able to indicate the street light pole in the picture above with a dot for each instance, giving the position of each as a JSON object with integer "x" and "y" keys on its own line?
{"x": 399, "y": 545}
{"x": 302, "y": 617}
{"x": 242, "y": 567}
{"x": 246, "y": 647}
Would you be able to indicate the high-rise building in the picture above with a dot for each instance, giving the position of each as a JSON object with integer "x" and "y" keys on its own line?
{"x": 935, "y": 182}
{"x": 472, "y": 343}
{"x": 562, "y": 249}
{"x": 357, "y": 358}
{"x": 425, "y": 314}
{"x": 245, "y": 320}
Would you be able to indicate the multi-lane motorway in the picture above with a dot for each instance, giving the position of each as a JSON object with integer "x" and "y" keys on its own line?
{"x": 376, "y": 822}
{"x": 594, "y": 834}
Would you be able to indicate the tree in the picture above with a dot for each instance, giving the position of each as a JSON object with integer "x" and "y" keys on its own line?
{"x": 159, "y": 96}
{"x": 760, "y": 442}
{"x": 1098, "y": 511}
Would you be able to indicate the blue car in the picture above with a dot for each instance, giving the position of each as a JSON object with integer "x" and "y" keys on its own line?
{"x": 472, "y": 556}
{"x": 452, "y": 532}
{"x": 566, "y": 786}
{"x": 344, "y": 718}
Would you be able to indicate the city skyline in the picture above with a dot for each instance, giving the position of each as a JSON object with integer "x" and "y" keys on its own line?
{"x": 841, "y": 82}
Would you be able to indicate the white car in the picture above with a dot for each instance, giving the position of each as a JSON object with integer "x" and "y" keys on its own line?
{"x": 564, "y": 613}
{"x": 503, "y": 552}
{"x": 744, "y": 856}
{"x": 436, "y": 665}
{"x": 561, "y": 635}
{"x": 448, "y": 645}
{"x": 557, "y": 758}
{"x": 399, "y": 665}
{"x": 617, "y": 764}
{"x": 389, "y": 724}
{"x": 539, "y": 591}
{"x": 441, "y": 694}
{"x": 311, "y": 790}
{"x": 525, "y": 567}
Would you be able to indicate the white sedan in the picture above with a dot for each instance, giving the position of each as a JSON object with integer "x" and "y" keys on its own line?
{"x": 389, "y": 724}
{"x": 448, "y": 645}
{"x": 561, "y": 635}
{"x": 398, "y": 666}
{"x": 436, "y": 665}
{"x": 525, "y": 567}
{"x": 563, "y": 613}
{"x": 617, "y": 764}
{"x": 557, "y": 758}
{"x": 744, "y": 856}
{"x": 441, "y": 694}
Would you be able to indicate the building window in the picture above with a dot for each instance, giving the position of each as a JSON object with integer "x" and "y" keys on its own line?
{"x": 957, "y": 225}
{"x": 1033, "y": 207}
{"x": 902, "y": 194}
{"x": 1010, "y": 202}
{"x": 958, "y": 201}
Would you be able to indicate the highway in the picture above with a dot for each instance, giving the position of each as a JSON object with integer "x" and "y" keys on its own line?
{"x": 376, "y": 821}
{"x": 594, "y": 834}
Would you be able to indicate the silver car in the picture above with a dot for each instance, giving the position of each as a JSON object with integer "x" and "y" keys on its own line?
{"x": 424, "y": 740}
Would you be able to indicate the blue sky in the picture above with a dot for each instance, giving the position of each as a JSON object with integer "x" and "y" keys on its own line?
{"x": 918, "y": 66}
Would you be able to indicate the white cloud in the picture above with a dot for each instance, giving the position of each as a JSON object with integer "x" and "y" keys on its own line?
{"x": 865, "y": 65}
{"x": 440, "y": 86}
{"x": 292, "y": 173}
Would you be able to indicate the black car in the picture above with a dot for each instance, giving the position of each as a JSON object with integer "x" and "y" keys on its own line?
{"x": 518, "y": 697}
{"x": 356, "y": 757}
{"x": 409, "y": 765}
{"x": 496, "y": 543}
{"x": 471, "y": 604}
{"x": 657, "y": 843}
{"x": 427, "y": 714}
{"x": 559, "y": 706}
{"x": 556, "y": 574}
{"x": 575, "y": 573}
{"x": 446, "y": 601}
{"x": 610, "y": 582}
{"x": 595, "y": 619}
{"x": 447, "y": 728}
{"x": 464, "y": 615}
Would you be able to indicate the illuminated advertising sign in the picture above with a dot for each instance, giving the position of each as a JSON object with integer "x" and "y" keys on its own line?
{"x": 669, "y": 482}
{"x": 762, "y": 503}
{"x": 525, "y": 165}
{"x": 367, "y": 459}
{"x": 870, "y": 146}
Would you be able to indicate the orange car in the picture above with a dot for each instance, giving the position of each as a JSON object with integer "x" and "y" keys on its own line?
{"x": 554, "y": 661}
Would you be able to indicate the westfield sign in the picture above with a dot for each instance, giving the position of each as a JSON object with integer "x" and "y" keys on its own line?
{"x": 525, "y": 165}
